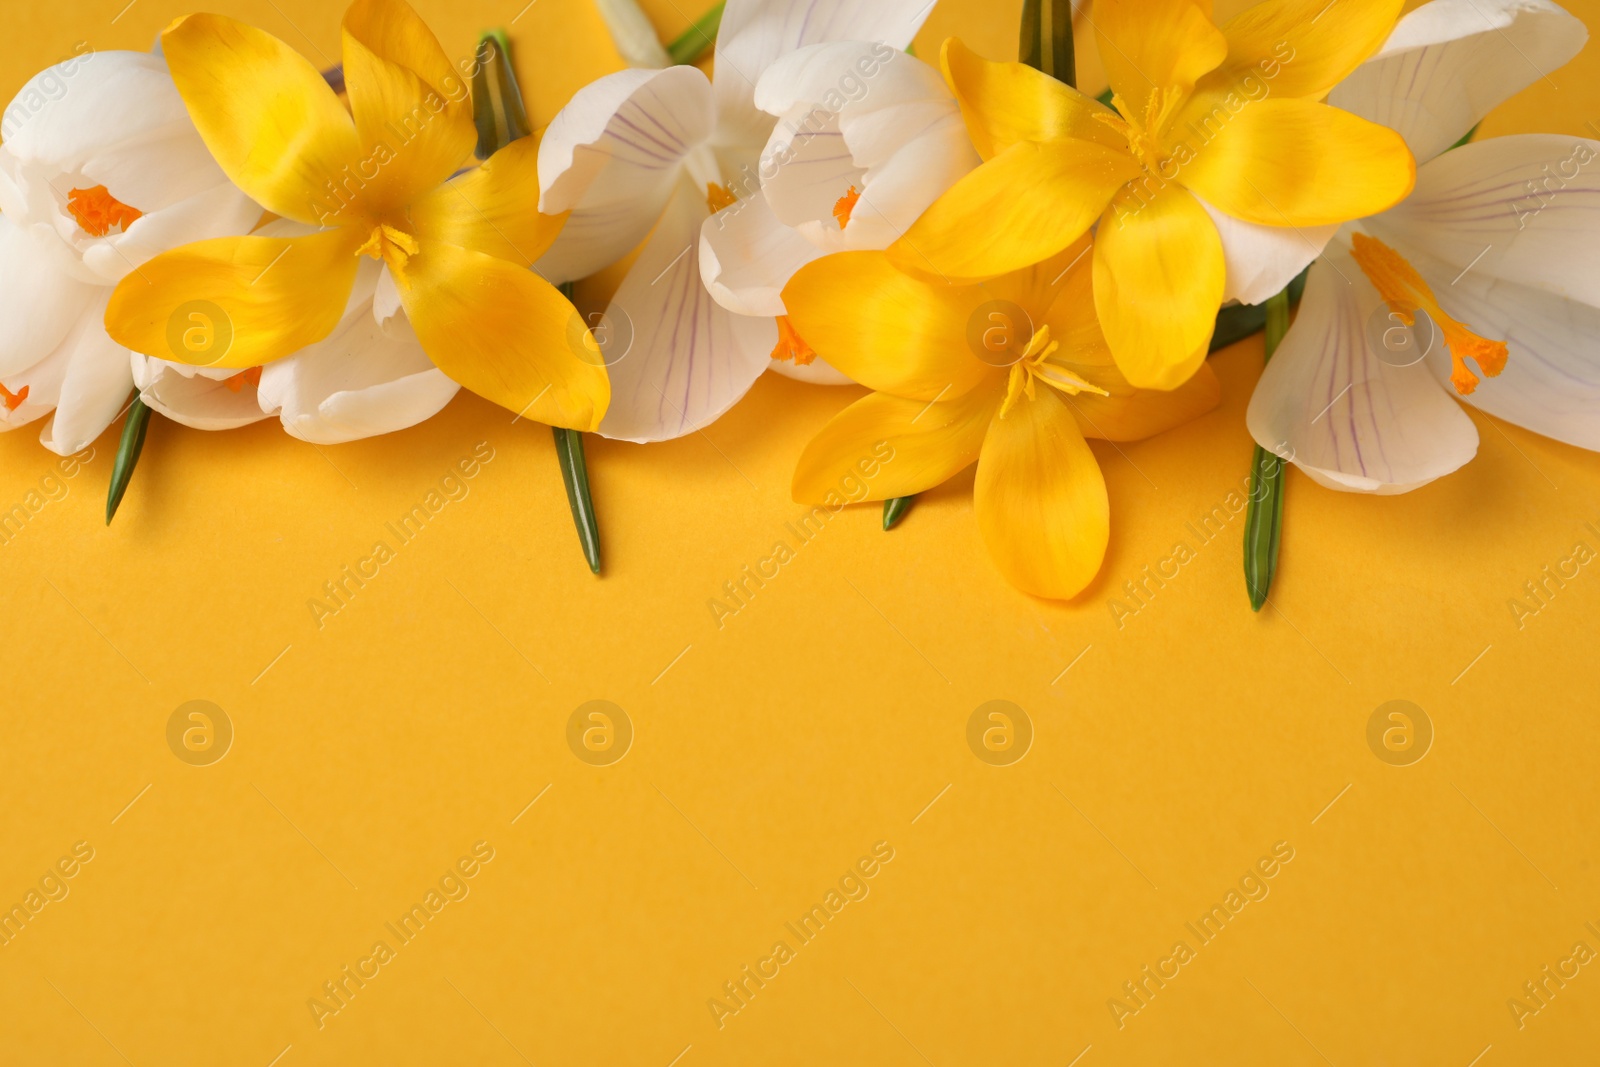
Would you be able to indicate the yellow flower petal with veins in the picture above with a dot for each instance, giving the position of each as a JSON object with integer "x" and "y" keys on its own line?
{"x": 459, "y": 249}
{"x": 236, "y": 301}
{"x": 1004, "y": 103}
{"x": 1301, "y": 48}
{"x": 1147, "y": 45}
{"x": 275, "y": 127}
{"x": 1158, "y": 278}
{"x": 1041, "y": 500}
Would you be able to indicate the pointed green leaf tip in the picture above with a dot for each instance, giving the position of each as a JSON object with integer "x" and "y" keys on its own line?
{"x": 895, "y": 509}
{"x": 132, "y": 443}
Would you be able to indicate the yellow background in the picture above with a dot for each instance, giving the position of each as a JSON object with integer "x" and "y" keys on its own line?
{"x": 771, "y": 754}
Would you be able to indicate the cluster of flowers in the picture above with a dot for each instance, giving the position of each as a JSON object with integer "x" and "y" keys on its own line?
{"x": 1010, "y": 265}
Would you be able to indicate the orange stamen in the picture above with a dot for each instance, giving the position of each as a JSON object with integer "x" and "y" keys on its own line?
{"x": 11, "y": 400}
{"x": 236, "y": 383}
{"x": 791, "y": 345}
{"x": 98, "y": 212}
{"x": 1403, "y": 289}
{"x": 846, "y": 207}
{"x": 719, "y": 197}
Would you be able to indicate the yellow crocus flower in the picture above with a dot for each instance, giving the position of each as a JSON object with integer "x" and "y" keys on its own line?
{"x": 1013, "y": 373}
{"x": 377, "y": 181}
{"x": 1218, "y": 139}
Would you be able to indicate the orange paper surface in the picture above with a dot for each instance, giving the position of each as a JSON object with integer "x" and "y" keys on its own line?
{"x": 819, "y": 740}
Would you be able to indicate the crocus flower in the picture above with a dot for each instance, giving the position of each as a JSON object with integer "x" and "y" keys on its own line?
{"x": 1013, "y": 374}
{"x": 101, "y": 169}
{"x": 867, "y": 138}
{"x": 663, "y": 150}
{"x": 1218, "y": 156}
{"x": 1496, "y": 247}
{"x": 377, "y": 182}
{"x": 370, "y": 376}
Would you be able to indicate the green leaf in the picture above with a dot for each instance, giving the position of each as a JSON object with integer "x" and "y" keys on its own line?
{"x": 575, "y": 473}
{"x": 1238, "y": 321}
{"x": 1263, "y": 522}
{"x": 133, "y": 431}
{"x": 1105, "y": 97}
{"x": 1047, "y": 39}
{"x": 497, "y": 107}
{"x": 1465, "y": 137}
{"x": 697, "y": 40}
{"x": 895, "y": 509}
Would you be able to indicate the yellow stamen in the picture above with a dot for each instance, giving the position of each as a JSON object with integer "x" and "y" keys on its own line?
{"x": 791, "y": 345}
{"x": 719, "y": 197}
{"x": 1403, "y": 289}
{"x": 98, "y": 212}
{"x": 1143, "y": 132}
{"x": 1035, "y": 365}
{"x": 11, "y": 400}
{"x": 846, "y": 207}
{"x": 252, "y": 376}
{"x": 391, "y": 246}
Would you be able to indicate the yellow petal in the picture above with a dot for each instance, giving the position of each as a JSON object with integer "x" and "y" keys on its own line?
{"x": 1155, "y": 44}
{"x": 268, "y": 117}
{"x": 492, "y": 208}
{"x": 1004, "y": 103}
{"x": 885, "y": 329}
{"x": 885, "y": 446}
{"x": 413, "y": 110}
{"x": 1041, "y": 499}
{"x": 1158, "y": 275}
{"x": 1300, "y": 48}
{"x": 1024, "y": 205}
{"x": 1293, "y": 162}
{"x": 1130, "y": 414}
{"x": 506, "y": 334}
{"x": 236, "y": 301}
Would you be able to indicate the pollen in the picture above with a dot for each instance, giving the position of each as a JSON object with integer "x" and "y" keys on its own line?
{"x": 1403, "y": 289}
{"x": 1035, "y": 365}
{"x": 846, "y": 207}
{"x": 719, "y": 197}
{"x": 98, "y": 212}
{"x": 11, "y": 400}
{"x": 791, "y": 345}
{"x": 393, "y": 247}
{"x": 237, "y": 383}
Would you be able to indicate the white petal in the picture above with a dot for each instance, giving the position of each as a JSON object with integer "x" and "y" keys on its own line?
{"x": 43, "y": 384}
{"x": 691, "y": 359}
{"x": 81, "y": 109}
{"x": 815, "y": 171}
{"x": 747, "y": 256}
{"x": 1450, "y": 62}
{"x": 363, "y": 381}
{"x": 1551, "y": 381}
{"x": 39, "y": 305}
{"x": 756, "y": 33}
{"x": 220, "y": 211}
{"x": 1525, "y": 209}
{"x": 200, "y": 401}
{"x": 96, "y": 386}
{"x": 1261, "y": 260}
{"x": 386, "y": 298}
{"x": 612, "y": 156}
{"x": 1348, "y": 419}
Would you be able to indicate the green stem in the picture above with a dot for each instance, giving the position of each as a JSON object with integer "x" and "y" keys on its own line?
{"x": 133, "y": 431}
{"x": 895, "y": 509}
{"x": 697, "y": 40}
{"x": 575, "y": 473}
{"x": 497, "y": 107}
{"x": 1263, "y": 524}
{"x": 1047, "y": 39}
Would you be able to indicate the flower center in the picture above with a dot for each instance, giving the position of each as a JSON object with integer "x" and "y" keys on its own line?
{"x": 1143, "y": 131}
{"x": 235, "y": 384}
{"x": 791, "y": 345}
{"x": 1403, "y": 289}
{"x": 11, "y": 400}
{"x": 846, "y": 207}
{"x": 98, "y": 212}
{"x": 1035, "y": 365}
{"x": 391, "y": 246}
{"x": 719, "y": 197}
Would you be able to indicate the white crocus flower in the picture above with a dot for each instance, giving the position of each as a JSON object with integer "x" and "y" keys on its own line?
{"x": 867, "y": 138}
{"x": 664, "y": 150}
{"x": 369, "y": 377}
{"x": 100, "y": 171}
{"x": 1499, "y": 245}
